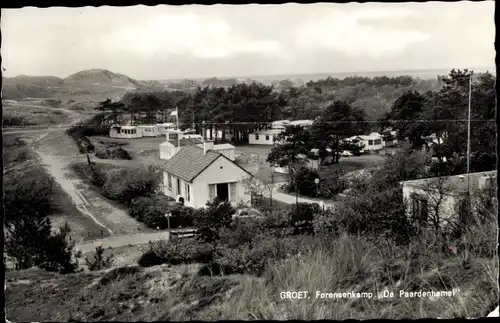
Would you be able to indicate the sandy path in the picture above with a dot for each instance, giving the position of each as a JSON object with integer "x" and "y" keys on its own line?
{"x": 56, "y": 151}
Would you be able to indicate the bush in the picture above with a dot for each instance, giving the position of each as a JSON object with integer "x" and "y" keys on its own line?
{"x": 253, "y": 257}
{"x": 99, "y": 261}
{"x": 113, "y": 153}
{"x": 151, "y": 211}
{"x": 305, "y": 182}
{"x": 124, "y": 184}
{"x": 177, "y": 251}
{"x": 208, "y": 221}
{"x": 301, "y": 216}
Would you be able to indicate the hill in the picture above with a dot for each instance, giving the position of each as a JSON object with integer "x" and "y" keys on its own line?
{"x": 88, "y": 82}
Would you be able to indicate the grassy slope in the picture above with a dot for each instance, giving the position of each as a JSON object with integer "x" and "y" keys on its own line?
{"x": 178, "y": 293}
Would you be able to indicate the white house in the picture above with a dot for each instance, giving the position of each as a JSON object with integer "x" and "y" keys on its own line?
{"x": 280, "y": 124}
{"x": 125, "y": 132}
{"x": 148, "y": 130}
{"x": 164, "y": 127}
{"x": 264, "y": 137}
{"x": 427, "y": 196}
{"x": 197, "y": 175}
{"x": 372, "y": 142}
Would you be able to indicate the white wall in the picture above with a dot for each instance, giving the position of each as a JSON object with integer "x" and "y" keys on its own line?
{"x": 173, "y": 191}
{"x": 215, "y": 174}
{"x": 229, "y": 153}
{"x": 114, "y": 134}
{"x": 252, "y": 139}
{"x": 168, "y": 151}
{"x": 447, "y": 206}
{"x": 373, "y": 147}
{"x": 149, "y": 131}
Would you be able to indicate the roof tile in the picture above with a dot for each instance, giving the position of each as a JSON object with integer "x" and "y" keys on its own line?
{"x": 190, "y": 161}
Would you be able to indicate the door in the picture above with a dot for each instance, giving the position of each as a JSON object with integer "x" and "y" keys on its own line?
{"x": 223, "y": 191}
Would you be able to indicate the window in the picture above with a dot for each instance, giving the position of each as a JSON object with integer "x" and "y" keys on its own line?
{"x": 178, "y": 186}
{"x": 378, "y": 141}
{"x": 232, "y": 192}
{"x": 267, "y": 137}
{"x": 169, "y": 179}
{"x": 256, "y": 136}
{"x": 420, "y": 210}
{"x": 370, "y": 142}
{"x": 147, "y": 130}
{"x": 188, "y": 191}
{"x": 274, "y": 137}
{"x": 211, "y": 192}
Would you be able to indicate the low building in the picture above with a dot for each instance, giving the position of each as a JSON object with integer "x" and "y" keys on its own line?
{"x": 371, "y": 143}
{"x": 227, "y": 150}
{"x": 195, "y": 176}
{"x": 148, "y": 130}
{"x": 441, "y": 195}
{"x": 164, "y": 127}
{"x": 390, "y": 139}
{"x": 175, "y": 141}
{"x": 125, "y": 132}
{"x": 264, "y": 137}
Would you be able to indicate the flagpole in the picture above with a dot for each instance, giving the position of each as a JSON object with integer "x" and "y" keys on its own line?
{"x": 177, "y": 120}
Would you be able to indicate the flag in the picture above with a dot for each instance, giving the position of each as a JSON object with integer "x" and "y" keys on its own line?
{"x": 173, "y": 113}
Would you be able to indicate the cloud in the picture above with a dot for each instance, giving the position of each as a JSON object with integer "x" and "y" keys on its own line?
{"x": 188, "y": 33}
{"x": 352, "y": 33}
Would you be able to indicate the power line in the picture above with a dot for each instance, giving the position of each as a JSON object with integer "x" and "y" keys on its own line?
{"x": 350, "y": 121}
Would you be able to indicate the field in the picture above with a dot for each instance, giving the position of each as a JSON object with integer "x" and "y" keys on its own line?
{"x": 30, "y": 114}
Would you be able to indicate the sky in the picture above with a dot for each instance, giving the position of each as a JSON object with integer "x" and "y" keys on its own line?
{"x": 191, "y": 41}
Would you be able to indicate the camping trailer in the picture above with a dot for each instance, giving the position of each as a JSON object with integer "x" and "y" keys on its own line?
{"x": 125, "y": 132}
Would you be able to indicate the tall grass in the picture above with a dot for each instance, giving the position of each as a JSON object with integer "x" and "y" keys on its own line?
{"x": 359, "y": 264}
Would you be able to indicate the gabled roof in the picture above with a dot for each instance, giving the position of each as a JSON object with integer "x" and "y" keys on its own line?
{"x": 191, "y": 161}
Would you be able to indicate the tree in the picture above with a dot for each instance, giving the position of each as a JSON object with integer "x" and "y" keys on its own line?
{"x": 29, "y": 242}
{"x": 293, "y": 142}
{"x": 404, "y": 116}
{"x": 112, "y": 110}
{"x": 208, "y": 221}
{"x": 339, "y": 120}
{"x": 253, "y": 186}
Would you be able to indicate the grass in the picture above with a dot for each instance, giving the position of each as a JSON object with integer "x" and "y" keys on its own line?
{"x": 346, "y": 264}
{"x": 266, "y": 204}
{"x": 30, "y": 115}
{"x": 20, "y": 160}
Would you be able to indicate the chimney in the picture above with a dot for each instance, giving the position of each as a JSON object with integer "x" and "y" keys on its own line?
{"x": 207, "y": 145}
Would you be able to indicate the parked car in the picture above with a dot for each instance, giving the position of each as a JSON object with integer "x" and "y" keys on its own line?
{"x": 346, "y": 153}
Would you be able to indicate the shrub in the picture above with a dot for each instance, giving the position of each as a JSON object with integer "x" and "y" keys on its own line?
{"x": 177, "y": 251}
{"x": 151, "y": 210}
{"x": 124, "y": 185}
{"x": 305, "y": 182}
{"x": 253, "y": 257}
{"x": 209, "y": 220}
{"x": 113, "y": 153}
{"x": 99, "y": 261}
{"x": 301, "y": 216}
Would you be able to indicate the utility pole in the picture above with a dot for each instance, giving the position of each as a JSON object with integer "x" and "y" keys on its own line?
{"x": 468, "y": 135}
